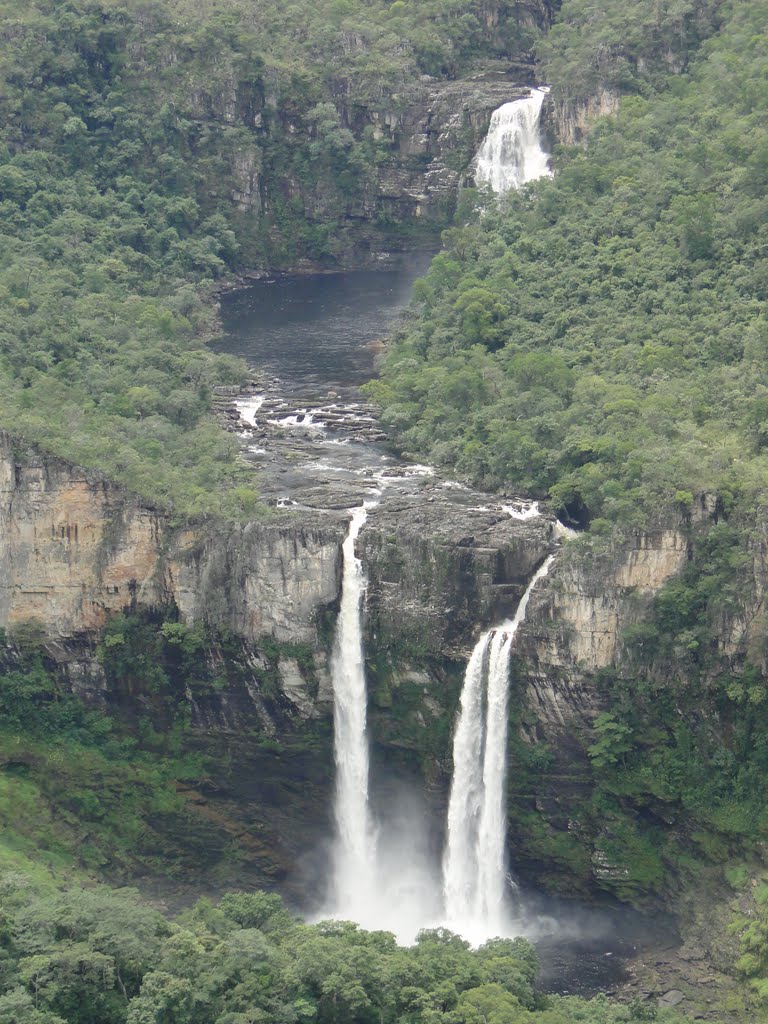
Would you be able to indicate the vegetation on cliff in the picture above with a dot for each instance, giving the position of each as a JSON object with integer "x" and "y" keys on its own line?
{"x": 601, "y": 337}
{"x": 149, "y": 150}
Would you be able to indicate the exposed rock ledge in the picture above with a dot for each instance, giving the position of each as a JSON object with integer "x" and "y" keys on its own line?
{"x": 75, "y": 549}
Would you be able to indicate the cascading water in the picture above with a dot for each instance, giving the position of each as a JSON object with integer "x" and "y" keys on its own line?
{"x": 354, "y": 862}
{"x": 511, "y": 154}
{"x": 474, "y": 868}
{"x": 380, "y": 881}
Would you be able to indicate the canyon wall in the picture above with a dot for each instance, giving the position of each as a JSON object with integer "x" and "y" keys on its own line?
{"x": 76, "y": 551}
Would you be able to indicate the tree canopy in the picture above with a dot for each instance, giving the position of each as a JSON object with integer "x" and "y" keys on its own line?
{"x": 601, "y": 337}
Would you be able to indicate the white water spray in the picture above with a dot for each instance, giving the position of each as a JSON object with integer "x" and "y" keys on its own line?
{"x": 511, "y": 153}
{"x": 380, "y": 881}
{"x": 248, "y": 407}
{"x": 354, "y": 867}
{"x": 474, "y": 866}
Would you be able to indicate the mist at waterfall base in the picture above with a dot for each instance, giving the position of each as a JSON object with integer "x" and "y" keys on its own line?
{"x": 385, "y": 873}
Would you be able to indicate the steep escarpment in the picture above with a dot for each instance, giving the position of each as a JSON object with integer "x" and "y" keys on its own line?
{"x": 224, "y": 632}
{"x": 593, "y": 58}
{"x": 238, "y": 621}
{"x": 572, "y": 641}
{"x": 76, "y": 549}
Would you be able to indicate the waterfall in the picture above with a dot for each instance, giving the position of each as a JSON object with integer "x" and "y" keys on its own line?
{"x": 381, "y": 881}
{"x": 511, "y": 154}
{"x": 354, "y": 867}
{"x": 474, "y": 867}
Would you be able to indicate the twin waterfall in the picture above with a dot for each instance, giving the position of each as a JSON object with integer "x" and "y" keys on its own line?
{"x": 384, "y": 881}
{"x": 373, "y": 889}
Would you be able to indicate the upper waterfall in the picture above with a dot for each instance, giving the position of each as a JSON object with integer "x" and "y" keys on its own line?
{"x": 474, "y": 868}
{"x": 511, "y": 154}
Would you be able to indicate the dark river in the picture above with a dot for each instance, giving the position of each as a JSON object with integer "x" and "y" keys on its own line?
{"x": 313, "y": 340}
{"x": 317, "y": 330}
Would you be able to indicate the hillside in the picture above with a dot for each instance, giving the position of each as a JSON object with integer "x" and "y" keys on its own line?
{"x": 601, "y": 339}
{"x": 150, "y": 152}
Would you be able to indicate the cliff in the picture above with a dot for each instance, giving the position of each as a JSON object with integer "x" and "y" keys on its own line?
{"x": 75, "y": 551}
{"x": 426, "y": 141}
{"x": 370, "y": 144}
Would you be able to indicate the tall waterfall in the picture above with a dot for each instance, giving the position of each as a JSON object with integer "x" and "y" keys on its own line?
{"x": 354, "y": 868}
{"x": 474, "y": 867}
{"x": 511, "y": 154}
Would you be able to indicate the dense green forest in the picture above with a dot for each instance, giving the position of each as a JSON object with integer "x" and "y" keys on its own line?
{"x": 92, "y": 956}
{"x": 127, "y": 128}
{"x": 601, "y": 337}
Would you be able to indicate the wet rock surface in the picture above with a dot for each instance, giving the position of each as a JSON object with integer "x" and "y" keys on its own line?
{"x": 443, "y": 560}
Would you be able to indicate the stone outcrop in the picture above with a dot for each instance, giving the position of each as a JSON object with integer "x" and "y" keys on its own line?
{"x": 433, "y": 142}
{"x": 574, "y": 626}
{"x": 432, "y": 586}
{"x": 75, "y": 549}
{"x": 568, "y": 120}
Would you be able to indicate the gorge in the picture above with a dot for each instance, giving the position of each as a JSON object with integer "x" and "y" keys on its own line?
{"x": 287, "y": 605}
{"x": 441, "y": 560}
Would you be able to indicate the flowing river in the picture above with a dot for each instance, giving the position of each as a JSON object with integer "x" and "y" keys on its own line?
{"x": 314, "y": 340}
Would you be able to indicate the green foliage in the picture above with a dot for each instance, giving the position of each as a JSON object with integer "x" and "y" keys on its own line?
{"x": 155, "y": 654}
{"x": 600, "y": 337}
{"x": 99, "y": 956}
{"x": 76, "y": 786}
{"x": 612, "y": 741}
{"x": 146, "y": 153}
{"x": 623, "y": 49}
{"x": 750, "y": 923}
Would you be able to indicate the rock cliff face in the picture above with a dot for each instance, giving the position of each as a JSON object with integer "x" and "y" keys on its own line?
{"x": 75, "y": 551}
{"x": 568, "y": 120}
{"x": 427, "y": 132}
{"x": 433, "y": 142}
{"x": 427, "y": 142}
{"x": 575, "y": 625}
{"x": 433, "y": 587}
